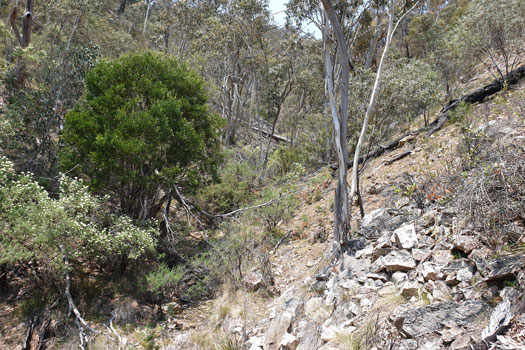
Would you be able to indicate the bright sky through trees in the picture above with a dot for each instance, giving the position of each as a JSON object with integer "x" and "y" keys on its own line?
{"x": 278, "y": 8}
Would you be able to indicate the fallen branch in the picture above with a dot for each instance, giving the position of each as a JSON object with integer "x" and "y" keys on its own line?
{"x": 398, "y": 157}
{"x": 276, "y": 137}
{"x": 71, "y": 304}
{"x": 280, "y": 242}
{"x": 477, "y": 96}
{"x": 42, "y": 334}
{"x": 189, "y": 205}
{"x": 244, "y": 209}
{"x": 29, "y": 335}
{"x": 392, "y": 145}
{"x": 114, "y": 331}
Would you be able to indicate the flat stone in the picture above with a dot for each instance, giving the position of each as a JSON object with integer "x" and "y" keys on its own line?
{"x": 449, "y": 334}
{"x": 440, "y": 291}
{"x": 406, "y": 237}
{"x": 383, "y": 246}
{"x": 253, "y": 281}
{"x": 398, "y": 277}
{"x": 375, "y": 222}
{"x": 428, "y": 219}
{"x": 352, "y": 285}
{"x": 358, "y": 267}
{"x": 426, "y": 320}
{"x": 426, "y": 242}
{"x": 365, "y": 252}
{"x": 398, "y": 260}
{"x": 407, "y": 344}
{"x": 378, "y": 265}
{"x": 280, "y": 324}
{"x": 461, "y": 342}
{"x": 387, "y": 290}
{"x": 331, "y": 332}
{"x": 431, "y": 344}
{"x": 377, "y": 276}
{"x": 256, "y": 343}
{"x": 442, "y": 257}
{"x": 308, "y": 333}
{"x": 465, "y": 274}
{"x": 430, "y": 271}
{"x": 317, "y": 310}
{"x": 288, "y": 342}
{"x": 466, "y": 243}
{"x": 501, "y": 268}
{"x": 500, "y": 317}
{"x": 420, "y": 254}
{"x": 410, "y": 289}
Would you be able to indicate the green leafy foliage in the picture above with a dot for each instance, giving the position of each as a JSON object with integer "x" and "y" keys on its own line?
{"x": 236, "y": 186}
{"x": 42, "y": 233}
{"x": 408, "y": 89}
{"x": 149, "y": 113}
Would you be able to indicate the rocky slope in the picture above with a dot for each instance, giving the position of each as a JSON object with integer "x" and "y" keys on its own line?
{"x": 421, "y": 281}
{"x": 415, "y": 278}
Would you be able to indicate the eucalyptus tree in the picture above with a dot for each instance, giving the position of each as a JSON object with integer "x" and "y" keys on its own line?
{"x": 338, "y": 22}
{"x": 375, "y": 90}
{"x": 230, "y": 55}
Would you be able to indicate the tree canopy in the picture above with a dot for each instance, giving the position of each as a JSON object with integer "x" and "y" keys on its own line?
{"x": 149, "y": 113}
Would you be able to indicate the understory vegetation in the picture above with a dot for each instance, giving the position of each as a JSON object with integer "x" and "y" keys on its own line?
{"x": 157, "y": 150}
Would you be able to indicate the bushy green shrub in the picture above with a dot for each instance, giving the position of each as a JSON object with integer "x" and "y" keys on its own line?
{"x": 52, "y": 236}
{"x": 492, "y": 193}
{"x": 143, "y": 126}
{"x": 284, "y": 160}
{"x": 40, "y": 86}
{"x": 237, "y": 182}
{"x": 279, "y": 211}
{"x": 493, "y": 30}
{"x": 164, "y": 279}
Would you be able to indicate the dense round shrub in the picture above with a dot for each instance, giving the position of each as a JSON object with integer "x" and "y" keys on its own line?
{"x": 142, "y": 128}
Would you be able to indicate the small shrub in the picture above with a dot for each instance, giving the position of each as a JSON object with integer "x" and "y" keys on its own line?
{"x": 488, "y": 187}
{"x": 230, "y": 343}
{"x": 493, "y": 196}
{"x": 68, "y": 234}
{"x": 279, "y": 211}
{"x": 164, "y": 279}
{"x": 461, "y": 112}
{"x": 284, "y": 160}
{"x": 235, "y": 188}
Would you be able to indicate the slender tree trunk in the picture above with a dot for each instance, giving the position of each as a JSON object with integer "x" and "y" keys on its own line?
{"x": 27, "y": 22}
{"x": 340, "y": 121}
{"x": 146, "y": 18}
{"x": 372, "y": 46}
{"x": 373, "y": 96}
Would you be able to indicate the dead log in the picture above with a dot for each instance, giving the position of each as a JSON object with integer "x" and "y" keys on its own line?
{"x": 398, "y": 157}
{"x": 477, "y": 96}
{"x": 474, "y": 97}
{"x": 392, "y": 145}
{"x": 276, "y": 137}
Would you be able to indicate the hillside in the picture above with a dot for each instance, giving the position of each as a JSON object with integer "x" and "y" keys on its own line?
{"x": 193, "y": 175}
{"x": 423, "y": 279}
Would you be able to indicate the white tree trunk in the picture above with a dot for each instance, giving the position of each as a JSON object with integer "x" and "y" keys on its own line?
{"x": 340, "y": 121}
{"x": 373, "y": 96}
{"x": 150, "y": 4}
